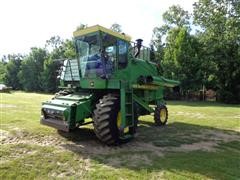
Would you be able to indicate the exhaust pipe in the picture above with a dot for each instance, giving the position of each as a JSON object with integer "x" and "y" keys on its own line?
{"x": 139, "y": 45}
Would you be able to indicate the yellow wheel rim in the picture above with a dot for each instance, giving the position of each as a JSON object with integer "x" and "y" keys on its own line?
{"x": 119, "y": 120}
{"x": 163, "y": 114}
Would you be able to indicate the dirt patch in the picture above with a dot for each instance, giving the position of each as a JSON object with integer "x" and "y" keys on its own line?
{"x": 133, "y": 160}
{"x": 213, "y": 138}
{"x": 191, "y": 115}
{"x": 47, "y": 141}
{"x": 3, "y": 134}
{"x": 141, "y": 146}
{"x": 237, "y": 129}
{"x": 115, "y": 162}
{"x": 158, "y": 175}
{"x": 15, "y": 153}
{"x": 214, "y": 135}
{"x": 94, "y": 147}
{"x": 80, "y": 171}
{"x": 18, "y": 136}
{"x": 204, "y": 146}
{"x": 138, "y": 159}
{"x": 237, "y": 116}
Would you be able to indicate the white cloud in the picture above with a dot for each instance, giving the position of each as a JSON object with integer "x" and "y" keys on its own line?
{"x": 28, "y": 23}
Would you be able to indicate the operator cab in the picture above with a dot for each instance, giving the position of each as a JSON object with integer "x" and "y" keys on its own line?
{"x": 101, "y": 51}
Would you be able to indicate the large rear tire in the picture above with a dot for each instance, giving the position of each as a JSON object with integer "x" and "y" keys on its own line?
{"x": 105, "y": 119}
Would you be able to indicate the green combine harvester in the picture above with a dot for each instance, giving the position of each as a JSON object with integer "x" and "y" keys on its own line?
{"x": 113, "y": 81}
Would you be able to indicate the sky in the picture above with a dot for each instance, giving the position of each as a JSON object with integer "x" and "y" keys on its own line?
{"x": 29, "y": 23}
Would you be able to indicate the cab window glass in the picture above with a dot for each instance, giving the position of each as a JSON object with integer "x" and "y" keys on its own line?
{"x": 122, "y": 51}
{"x": 109, "y": 46}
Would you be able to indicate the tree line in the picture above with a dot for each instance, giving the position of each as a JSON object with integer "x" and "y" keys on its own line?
{"x": 201, "y": 49}
{"x": 38, "y": 70}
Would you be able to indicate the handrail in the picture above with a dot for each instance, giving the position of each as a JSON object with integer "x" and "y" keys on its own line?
{"x": 145, "y": 52}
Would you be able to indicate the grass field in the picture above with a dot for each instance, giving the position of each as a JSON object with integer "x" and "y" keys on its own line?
{"x": 201, "y": 141}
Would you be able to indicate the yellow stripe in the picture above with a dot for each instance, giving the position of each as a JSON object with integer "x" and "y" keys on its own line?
{"x": 151, "y": 87}
{"x": 96, "y": 28}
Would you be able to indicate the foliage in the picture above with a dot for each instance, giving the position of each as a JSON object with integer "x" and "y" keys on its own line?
{"x": 60, "y": 50}
{"x": 116, "y": 27}
{"x": 221, "y": 39}
{"x": 209, "y": 58}
{"x": 179, "y": 53}
{"x": 157, "y": 42}
{"x": 176, "y": 17}
{"x": 81, "y": 26}
{"x": 69, "y": 49}
{"x": 12, "y": 69}
{"x": 181, "y": 59}
{"x": 54, "y": 42}
{"x": 39, "y": 70}
{"x": 3, "y": 71}
{"x": 49, "y": 76}
{"x": 31, "y": 68}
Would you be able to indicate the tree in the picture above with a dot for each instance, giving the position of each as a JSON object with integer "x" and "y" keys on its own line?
{"x": 220, "y": 38}
{"x": 157, "y": 41}
{"x": 69, "y": 49}
{"x": 116, "y": 27}
{"x": 28, "y": 75}
{"x": 178, "y": 49}
{"x": 3, "y": 71}
{"x": 60, "y": 49}
{"x": 174, "y": 18}
{"x": 50, "y": 75}
{"x": 12, "y": 69}
{"x": 31, "y": 69}
{"x": 81, "y": 26}
{"x": 54, "y": 42}
{"x": 63, "y": 50}
{"x": 37, "y": 71}
{"x": 181, "y": 59}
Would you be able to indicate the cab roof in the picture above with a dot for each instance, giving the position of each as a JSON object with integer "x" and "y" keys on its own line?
{"x": 96, "y": 28}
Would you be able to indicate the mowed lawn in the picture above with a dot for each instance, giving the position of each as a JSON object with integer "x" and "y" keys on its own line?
{"x": 200, "y": 141}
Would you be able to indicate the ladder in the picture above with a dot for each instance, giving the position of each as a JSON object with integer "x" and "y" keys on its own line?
{"x": 127, "y": 107}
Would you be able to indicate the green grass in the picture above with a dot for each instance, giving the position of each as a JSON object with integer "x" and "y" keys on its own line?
{"x": 201, "y": 141}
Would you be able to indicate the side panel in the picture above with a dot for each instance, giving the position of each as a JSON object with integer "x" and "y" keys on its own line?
{"x": 99, "y": 84}
{"x": 83, "y": 110}
{"x": 63, "y": 112}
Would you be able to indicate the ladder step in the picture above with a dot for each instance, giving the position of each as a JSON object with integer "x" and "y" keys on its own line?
{"x": 128, "y": 103}
{"x": 128, "y": 114}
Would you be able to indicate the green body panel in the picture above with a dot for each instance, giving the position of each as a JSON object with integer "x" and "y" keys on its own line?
{"x": 99, "y": 84}
{"x": 161, "y": 81}
{"x": 72, "y": 108}
{"x": 142, "y": 103}
{"x": 123, "y": 81}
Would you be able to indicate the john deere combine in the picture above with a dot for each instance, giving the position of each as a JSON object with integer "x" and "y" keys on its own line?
{"x": 112, "y": 81}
